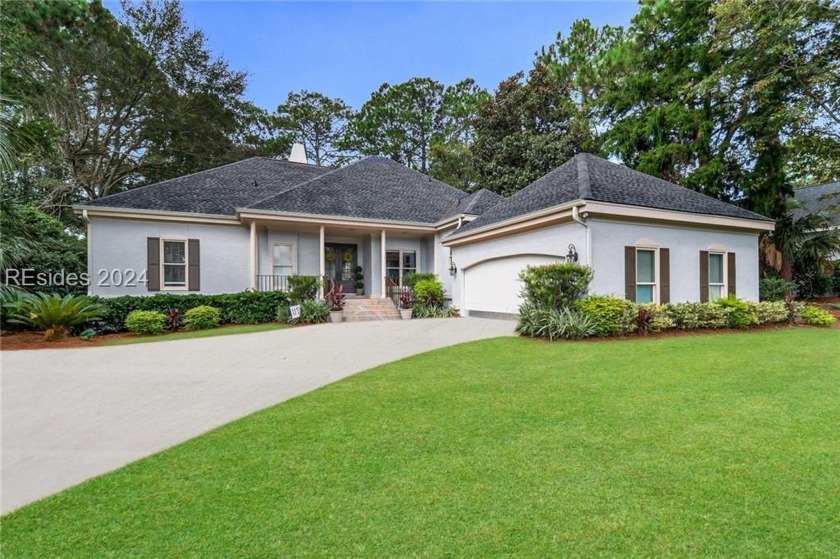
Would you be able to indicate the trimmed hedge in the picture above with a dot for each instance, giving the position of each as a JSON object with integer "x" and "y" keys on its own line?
{"x": 816, "y": 316}
{"x": 248, "y": 307}
{"x": 611, "y": 316}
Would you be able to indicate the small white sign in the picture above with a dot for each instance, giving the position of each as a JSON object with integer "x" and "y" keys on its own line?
{"x": 294, "y": 310}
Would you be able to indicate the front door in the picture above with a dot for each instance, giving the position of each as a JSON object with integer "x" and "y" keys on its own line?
{"x": 341, "y": 262}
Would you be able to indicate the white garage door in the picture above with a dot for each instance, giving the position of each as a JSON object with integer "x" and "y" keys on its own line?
{"x": 493, "y": 287}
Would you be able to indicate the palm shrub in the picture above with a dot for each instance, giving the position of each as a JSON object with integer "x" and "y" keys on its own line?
{"x": 202, "y": 318}
{"x": 773, "y": 289}
{"x": 555, "y": 286}
{"x": 55, "y": 315}
{"x": 145, "y": 322}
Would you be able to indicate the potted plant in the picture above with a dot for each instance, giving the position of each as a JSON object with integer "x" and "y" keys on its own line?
{"x": 335, "y": 301}
{"x": 359, "y": 277}
{"x": 406, "y": 303}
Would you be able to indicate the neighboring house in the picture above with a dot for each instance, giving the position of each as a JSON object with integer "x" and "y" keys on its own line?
{"x": 646, "y": 239}
{"x": 823, "y": 199}
{"x": 252, "y": 224}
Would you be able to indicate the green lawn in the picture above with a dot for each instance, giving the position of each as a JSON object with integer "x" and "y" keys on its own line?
{"x": 188, "y": 334}
{"x": 722, "y": 445}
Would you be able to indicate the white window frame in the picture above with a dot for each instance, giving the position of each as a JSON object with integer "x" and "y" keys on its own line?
{"x": 724, "y": 288}
{"x": 186, "y": 264}
{"x": 656, "y": 279}
{"x": 401, "y": 268}
{"x": 292, "y": 250}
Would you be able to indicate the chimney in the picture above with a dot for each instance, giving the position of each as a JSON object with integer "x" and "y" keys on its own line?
{"x": 298, "y": 154}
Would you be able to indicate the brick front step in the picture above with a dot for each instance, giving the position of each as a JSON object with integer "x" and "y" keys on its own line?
{"x": 359, "y": 310}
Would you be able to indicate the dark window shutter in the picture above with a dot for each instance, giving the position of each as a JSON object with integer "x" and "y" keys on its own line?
{"x": 704, "y": 276}
{"x": 153, "y": 263}
{"x": 630, "y": 273}
{"x": 194, "y": 272}
{"x": 730, "y": 273}
{"x": 664, "y": 275}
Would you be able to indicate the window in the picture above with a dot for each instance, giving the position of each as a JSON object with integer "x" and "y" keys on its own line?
{"x": 174, "y": 264}
{"x": 717, "y": 286}
{"x": 398, "y": 263}
{"x": 645, "y": 276}
{"x": 283, "y": 259}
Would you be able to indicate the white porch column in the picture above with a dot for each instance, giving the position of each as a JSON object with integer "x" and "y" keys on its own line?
{"x": 322, "y": 265}
{"x": 384, "y": 272}
{"x": 254, "y": 255}
{"x": 436, "y": 253}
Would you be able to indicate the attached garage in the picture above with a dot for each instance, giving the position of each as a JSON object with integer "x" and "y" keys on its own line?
{"x": 492, "y": 287}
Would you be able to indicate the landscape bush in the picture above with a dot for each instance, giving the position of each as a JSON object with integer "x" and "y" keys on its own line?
{"x": 202, "y": 317}
{"x": 312, "y": 311}
{"x": 247, "y": 307}
{"x": 816, "y": 316}
{"x": 769, "y": 312}
{"x": 412, "y": 278}
{"x": 53, "y": 314}
{"x": 145, "y": 322}
{"x": 546, "y": 322}
{"x": 695, "y": 316}
{"x": 302, "y": 288}
{"x": 612, "y": 316}
{"x": 773, "y": 289}
{"x": 555, "y": 286}
{"x": 424, "y": 311}
{"x": 738, "y": 313}
{"x": 429, "y": 292}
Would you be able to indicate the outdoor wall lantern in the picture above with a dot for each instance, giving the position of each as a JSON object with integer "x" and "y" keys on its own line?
{"x": 573, "y": 255}
{"x": 452, "y": 268}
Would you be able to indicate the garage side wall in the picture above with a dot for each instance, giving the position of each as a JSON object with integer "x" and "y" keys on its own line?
{"x": 122, "y": 245}
{"x": 684, "y": 244}
{"x": 487, "y": 280}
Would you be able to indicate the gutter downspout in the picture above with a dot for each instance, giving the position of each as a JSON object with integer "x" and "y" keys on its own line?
{"x": 588, "y": 233}
{"x": 87, "y": 239}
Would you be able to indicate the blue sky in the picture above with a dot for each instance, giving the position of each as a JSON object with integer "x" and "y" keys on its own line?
{"x": 349, "y": 49}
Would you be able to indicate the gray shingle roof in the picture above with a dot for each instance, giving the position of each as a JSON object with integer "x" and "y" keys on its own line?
{"x": 475, "y": 204}
{"x": 216, "y": 191}
{"x": 372, "y": 188}
{"x": 588, "y": 177}
{"x": 821, "y": 198}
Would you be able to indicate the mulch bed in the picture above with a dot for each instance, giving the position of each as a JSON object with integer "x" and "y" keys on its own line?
{"x": 35, "y": 340}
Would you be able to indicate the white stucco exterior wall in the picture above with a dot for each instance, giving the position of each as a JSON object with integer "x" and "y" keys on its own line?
{"x": 685, "y": 243}
{"x": 119, "y": 244}
{"x": 552, "y": 241}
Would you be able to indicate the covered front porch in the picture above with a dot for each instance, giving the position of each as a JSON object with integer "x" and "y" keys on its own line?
{"x": 366, "y": 260}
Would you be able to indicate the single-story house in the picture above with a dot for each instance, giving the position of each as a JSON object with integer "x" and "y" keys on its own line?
{"x": 254, "y": 223}
{"x": 823, "y": 199}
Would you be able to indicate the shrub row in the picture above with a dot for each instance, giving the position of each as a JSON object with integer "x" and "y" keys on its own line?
{"x": 248, "y": 307}
{"x": 599, "y": 315}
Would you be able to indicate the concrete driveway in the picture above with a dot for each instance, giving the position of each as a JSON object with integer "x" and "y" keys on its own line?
{"x": 72, "y": 414}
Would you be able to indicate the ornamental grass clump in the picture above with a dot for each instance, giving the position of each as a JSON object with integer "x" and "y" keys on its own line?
{"x": 202, "y": 318}
{"x": 55, "y": 315}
